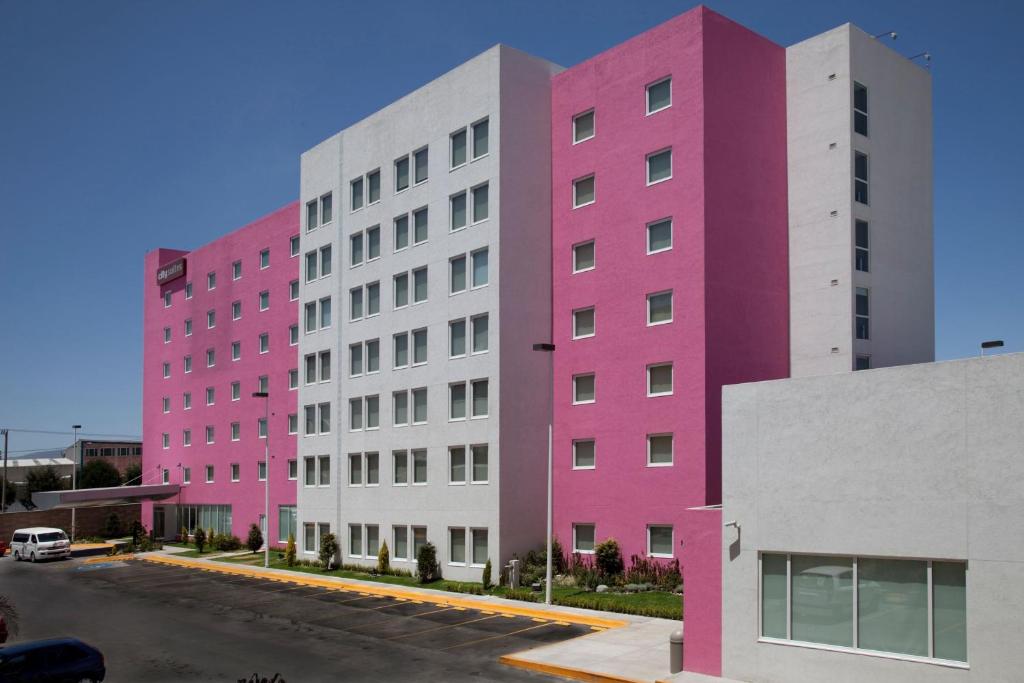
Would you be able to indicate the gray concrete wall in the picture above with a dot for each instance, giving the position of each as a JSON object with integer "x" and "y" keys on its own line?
{"x": 922, "y": 461}
{"x": 822, "y": 143}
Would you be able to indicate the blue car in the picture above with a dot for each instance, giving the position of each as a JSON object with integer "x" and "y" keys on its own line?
{"x": 51, "y": 661}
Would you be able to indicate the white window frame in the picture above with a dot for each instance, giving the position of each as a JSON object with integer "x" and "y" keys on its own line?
{"x": 575, "y": 464}
{"x": 575, "y": 543}
{"x": 673, "y": 542}
{"x": 647, "y": 95}
{"x": 672, "y": 451}
{"x": 575, "y": 182}
{"x": 577, "y": 140}
{"x": 583, "y": 244}
{"x": 236, "y": 472}
{"x": 671, "y": 161}
{"x": 576, "y": 402}
{"x": 671, "y": 235}
{"x": 652, "y": 366}
{"x": 577, "y": 311}
{"x": 672, "y": 312}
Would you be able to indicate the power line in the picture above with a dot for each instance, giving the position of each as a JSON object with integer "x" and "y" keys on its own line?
{"x": 95, "y": 434}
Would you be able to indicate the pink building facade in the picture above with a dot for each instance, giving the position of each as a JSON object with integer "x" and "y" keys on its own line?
{"x": 669, "y": 231}
{"x": 220, "y": 323}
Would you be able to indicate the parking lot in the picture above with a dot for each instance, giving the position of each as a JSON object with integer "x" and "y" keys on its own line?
{"x": 156, "y": 623}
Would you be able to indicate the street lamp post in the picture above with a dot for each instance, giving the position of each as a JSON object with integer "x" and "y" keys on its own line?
{"x": 266, "y": 473}
{"x": 74, "y": 480}
{"x": 549, "y": 349}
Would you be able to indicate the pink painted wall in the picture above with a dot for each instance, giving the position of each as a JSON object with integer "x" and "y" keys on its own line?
{"x": 246, "y": 496}
{"x": 727, "y": 270}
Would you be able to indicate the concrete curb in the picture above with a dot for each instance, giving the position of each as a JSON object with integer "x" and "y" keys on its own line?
{"x": 90, "y": 549}
{"x": 391, "y": 591}
{"x": 570, "y": 672}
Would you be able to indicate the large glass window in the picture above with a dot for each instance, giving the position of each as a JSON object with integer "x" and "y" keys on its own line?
{"x": 860, "y": 109}
{"x": 860, "y": 177}
{"x": 862, "y": 325}
{"x": 860, "y": 258}
{"x": 659, "y": 95}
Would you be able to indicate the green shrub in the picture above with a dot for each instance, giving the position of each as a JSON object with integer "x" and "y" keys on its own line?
{"x": 227, "y": 543}
{"x": 199, "y": 537}
{"x": 211, "y": 537}
{"x": 558, "y": 563}
{"x": 383, "y": 559}
{"x": 112, "y": 527}
{"x": 255, "y": 540}
{"x": 363, "y": 569}
{"x": 184, "y": 535}
{"x": 608, "y": 558}
{"x": 426, "y": 563}
{"x": 289, "y": 553}
{"x": 487, "y": 575}
{"x": 328, "y": 549}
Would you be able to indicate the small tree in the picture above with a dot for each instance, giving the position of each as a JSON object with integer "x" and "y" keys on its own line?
{"x": 487, "y": 575}
{"x": 255, "y": 540}
{"x": 199, "y": 536}
{"x": 289, "y": 552}
{"x": 383, "y": 559}
{"x": 112, "y": 527}
{"x": 45, "y": 479}
{"x": 426, "y": 563}
{"x": 12, "y": 492}
{"x": 328, "y": 549}
{"x": 184, "y": 535}
{"x": 133, "y": 474}
{"x": 558, "y": 563}
{"x": 608, "y": 558}
{"x": 97, "y": 474}
{"x": 211, "y": 536}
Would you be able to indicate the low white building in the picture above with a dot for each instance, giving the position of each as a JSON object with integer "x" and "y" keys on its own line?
{"x": 879, "y": 525}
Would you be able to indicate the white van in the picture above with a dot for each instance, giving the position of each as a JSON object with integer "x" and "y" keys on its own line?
{"x": 39, "y": 543}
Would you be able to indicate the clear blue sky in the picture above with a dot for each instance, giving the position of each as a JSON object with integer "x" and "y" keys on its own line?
{"x": 126, "y": 126}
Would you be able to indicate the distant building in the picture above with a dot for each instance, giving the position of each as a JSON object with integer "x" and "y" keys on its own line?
{"x": 120, "y": 454}
{"x": 18, "y": 469}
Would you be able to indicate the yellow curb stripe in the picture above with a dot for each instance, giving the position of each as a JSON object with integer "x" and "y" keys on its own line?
{"x": 565, "y": 671}
{"x": 392, "y": 592}
{"x": 442, "y": 628}
{"x": 495, "y": 637}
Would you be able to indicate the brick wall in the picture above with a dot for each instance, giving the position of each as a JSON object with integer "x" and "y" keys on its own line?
{"x": 91, "y": 521}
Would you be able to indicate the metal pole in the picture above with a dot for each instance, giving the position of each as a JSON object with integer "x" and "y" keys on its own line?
{"x": 551, "y": 474}
{"x": 266, "y": 483}
{"x": 3, "y": 489}
{"x": 547, "y": 583}
{"x": 74, "y": 481}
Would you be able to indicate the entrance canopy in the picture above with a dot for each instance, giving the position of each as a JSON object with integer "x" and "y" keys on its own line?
{"x": 113, "y": 495}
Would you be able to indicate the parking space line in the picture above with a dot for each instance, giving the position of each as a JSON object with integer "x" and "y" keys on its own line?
{"x": 500, "y": 635}
{"x": 441, "y": 628}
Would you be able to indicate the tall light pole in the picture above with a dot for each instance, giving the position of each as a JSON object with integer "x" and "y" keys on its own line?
{"x": 266, "y": 473}
{"x": 549, "y": 349}
{"x": 3, "y": 488}
{"x": 74, "y": 480}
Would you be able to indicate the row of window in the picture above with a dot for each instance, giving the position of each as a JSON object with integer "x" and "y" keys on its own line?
{"x": 659, "y": 383}
{"x": 211, "y": 355}
{"x": 659, "y": 312}
{"x": 235, "y": 472}
{"x": 262, "y": 385}
{"x": 236, "y": 272}
{"x": 659, "y": 452}
{"x": 466, "y": 465}
{"x": 236, "y": 311}
{"x": 659, "y": 539}
{"x": 467, "y": 399}
{"x": 659, "y": 239}
{"x": 659, "y": 97}
{"x": 659, "y": 169}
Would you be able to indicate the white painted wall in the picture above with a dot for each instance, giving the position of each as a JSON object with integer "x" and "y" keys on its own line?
{"x": 921, "y": 461}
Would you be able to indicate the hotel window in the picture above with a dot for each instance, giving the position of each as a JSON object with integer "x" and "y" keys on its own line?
{"x": 420, "y": 227}
{"x": 188, "y": 327}
{"x": 458, "y": 148}
{"x": 167, "y": 335}
{"x": 355, "y": 303}
{"x": 263, "y": 384}
{"x": 916, "y": 608}
{"x": 372, "y": 540}
{"x": 209, "y": 434}
{"x": 860, "y": 177}
{"x": 236, "y": 431}
{"x": 373, "y": 187}
{"x": 583, "y": 389}
{"x": 324, "y": 409}
{"x": 311, "y": 215}
{"x": 400, "y": 468}
{"x": 659, "y": 308}
{"x": 401, "y": 348}
{"x": 325, "y": 366}
{"x": 293, "y": 335}
{"x": 419, "y": 539}
{"x": 583, "y": 191}
{"x": 456, "y": 338}
{"x": 372, "y": 469}
{"x": 863, "y": 329}
{"x": 659, "y": 236}
{"x": 457, "y": 275}
{"x": 400, "y": 545}
{"x": 401, "y": 232}
{"x": 293, "y": 290}
{"x": 166, "y": 477}
{"x": 659, "y": 450}
{"x": 480, "y": 393}
{"x": 165, "y": 439}
{"x": 325, "y": 312}
{"x": 186, "y": 437}
{"x": 419, "y": 281}
{"x": 324, "y": 477}
{"x": 659, "y": 379}
{"x": 481, "y": 203}
{"x": 457, "y": 211}
{"x": 420, "y": 166}
{"x": 293, "y": 423}
{"x": 355, "y": 414}
{"x": 236, "y": 350}
{"x": 209, "y": 474}
{"x": 479, "y": 470}
{"x": 481, "y": 138}
{"x": 583, "y": 454}
{"x": 355, "y": 540}
{"x": 236, "y": 270}
{"x": 211, "y": 280}
{"x": 860, "y": 109}
{"x": 659, "y": 541}
{"x": 186, "y": 400}
{"x": 419, "y": 466}
{"x": 188, "y": 363}
{"x": 309, "y": 537}
{"x": 583, "y": 126}
{"x": 373, "y": 243}
{"x": 456, "y": 465}
{"x": 401, "y": 173}
{"x": 293, "y": 469}
{"x": 210, "y": 394}
{"x": 261, "y": 428}
{"x": 583, "y": 257}
{"x": 355, "y": 469}
{"x": 167, "y": 299}
{"x": 372, "y": 356}
{"x": 419, "y": 347}
{"x": 583, "y": 323}
{"x": 166, "y": 403}
{"x": 309, "y": 471}
{"x": 480, "y": 326}
{"x": 264, "y": 343}
{"x": 659, "y": 166}
{"x": 860, "y": 258}
{"x": 583, "y": 538}
{"x": 401, "y": 285}
{"x": 325, "y": 260}
{"x": 862, "y": 362}
{"x": 186, "y": 475}
{"x": 659, "y": 95}
{"x": 311, "y": 316}
{"x": 481, "y": 276}
{"x": 236, "y": 391}
{"x": 356, "y": 249}
{"x": 236, "y": 310}
{"x": 372, "y": 412}
{"x": 457, "y": 401}
{"x": 264, "y": 300}
{"x": 188, "y": 290}
{"x": 355, "y": 360}
{"x": 456, "y": 546}
{"x": 293, "y": 244}
{"x": 211, "y": 319}
{"x": 419, "y": 406}
{"x": 479, "y": 536}
{"x": 356, "y": 194}
{"x": 312, "y": 266}
{"x": 261, "y": 470}
{"x": 326, "y": 208}
{"x": 400, "y": 408}
{"x": 372, "y": 299}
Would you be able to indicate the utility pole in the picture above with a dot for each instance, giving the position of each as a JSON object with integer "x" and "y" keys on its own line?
{"x": 3, "y": 489}
{"x": 74, "y": 472}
